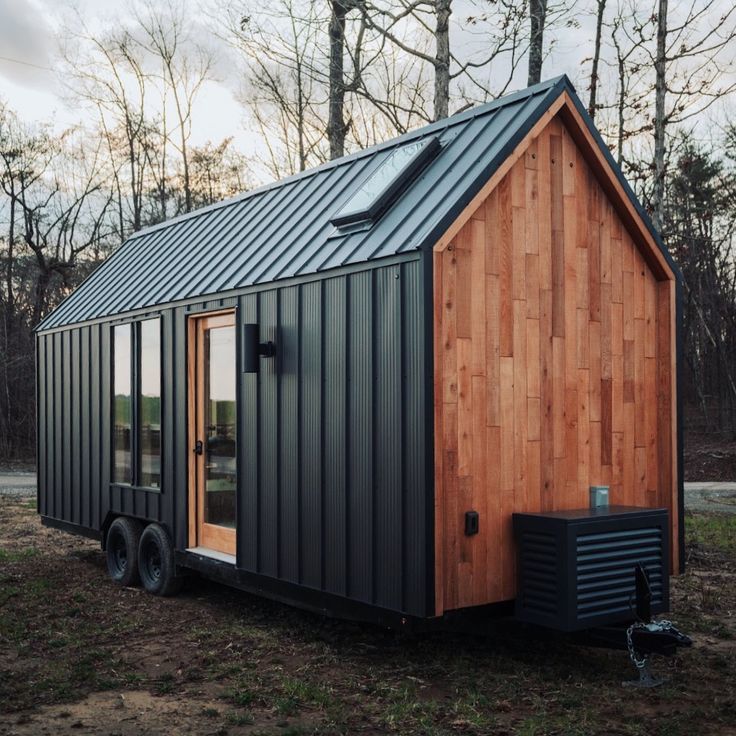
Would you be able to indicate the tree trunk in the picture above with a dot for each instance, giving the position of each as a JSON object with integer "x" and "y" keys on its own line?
{"x": 442, "y": 63}
{"x": 660, "y": 122}
{"x": 621, "y": 107}
{"x": 537, "y": 16}
{"x": 336, "y": 128}
{"x": 596, "y": 59}
{"x": 11, "y": 255}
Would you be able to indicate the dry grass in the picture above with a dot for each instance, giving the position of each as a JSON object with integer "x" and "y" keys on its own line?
{"x": 77, "y": 653}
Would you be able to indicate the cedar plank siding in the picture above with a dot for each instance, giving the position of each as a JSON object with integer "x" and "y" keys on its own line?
{"x": 553, "y": 366}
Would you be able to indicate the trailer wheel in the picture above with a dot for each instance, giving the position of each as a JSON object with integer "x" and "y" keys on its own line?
{"x": 156, "y": 562}
{"x": 123, "y": 538}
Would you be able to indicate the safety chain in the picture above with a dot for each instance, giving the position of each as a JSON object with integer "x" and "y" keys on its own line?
{"x": 663, "y": 625}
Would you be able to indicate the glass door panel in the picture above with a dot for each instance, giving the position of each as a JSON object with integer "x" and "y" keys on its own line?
{"x": 219, "y": 427}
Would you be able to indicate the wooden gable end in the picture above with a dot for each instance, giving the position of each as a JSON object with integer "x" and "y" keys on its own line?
{"x": 554, "y": 342}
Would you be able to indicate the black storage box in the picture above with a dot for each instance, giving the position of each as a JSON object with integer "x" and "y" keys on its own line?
{"x": 576, "y": 569}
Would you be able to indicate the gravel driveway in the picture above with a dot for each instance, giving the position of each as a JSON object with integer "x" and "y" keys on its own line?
{"x": 17, "y": 484}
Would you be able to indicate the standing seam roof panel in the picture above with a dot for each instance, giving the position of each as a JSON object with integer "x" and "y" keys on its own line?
{"x": 222, "y": 227}
{"x": 316, "y": 232}
{"x": 149, "y": 274}
{"x": 285, "y": 230}
{"x": 128, "y": 270}
{"x": 473, "y": 158}
{"x": 273, "y": 236}
{"x": 101, "y": 289}
{"x": 249, "y": 224}
{"x": 252, "y": 229}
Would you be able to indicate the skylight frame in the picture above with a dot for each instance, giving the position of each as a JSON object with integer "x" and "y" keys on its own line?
{"x": 350, "y": 214}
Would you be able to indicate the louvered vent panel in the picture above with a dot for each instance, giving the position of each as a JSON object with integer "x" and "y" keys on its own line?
{"x": 605, "y": 570}
{"x": 577, "y": 569}
{"x": 538, "y": 562}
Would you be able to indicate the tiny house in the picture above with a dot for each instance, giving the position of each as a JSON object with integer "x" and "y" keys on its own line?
{"x": 344, "y": 390}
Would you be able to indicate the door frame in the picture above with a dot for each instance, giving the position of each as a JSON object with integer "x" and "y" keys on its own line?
{"x": 195, "y": 414}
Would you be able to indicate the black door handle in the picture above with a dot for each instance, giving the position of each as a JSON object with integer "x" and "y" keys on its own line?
{"x": 198, "y": 447}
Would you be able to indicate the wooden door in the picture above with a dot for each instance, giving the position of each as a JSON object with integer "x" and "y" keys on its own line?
{"x": 213, "y": 478}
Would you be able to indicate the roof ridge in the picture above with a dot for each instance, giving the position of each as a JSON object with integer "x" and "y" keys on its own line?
{"x": 455, "y": 119}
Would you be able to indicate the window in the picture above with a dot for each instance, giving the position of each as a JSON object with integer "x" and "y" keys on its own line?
{"x": 137, "y": 403}
{"x": 150, "y": 403}
{"x": 385, "y": 183}
{"x": 122, "y": 405}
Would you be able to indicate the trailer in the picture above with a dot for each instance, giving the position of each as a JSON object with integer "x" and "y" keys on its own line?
{"x": 387, "y": 388}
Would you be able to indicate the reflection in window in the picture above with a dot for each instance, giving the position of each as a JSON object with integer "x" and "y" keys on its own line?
{"x": 220, "y": 426}
{"x": 150, "y": 404}
{"x": 122, "y": 405}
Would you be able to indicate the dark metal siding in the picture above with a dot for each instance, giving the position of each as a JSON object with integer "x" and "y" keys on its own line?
{"x": 333, "y": 452}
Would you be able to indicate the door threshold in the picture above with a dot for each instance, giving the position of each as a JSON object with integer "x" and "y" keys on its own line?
{"x": 213, "y": 554}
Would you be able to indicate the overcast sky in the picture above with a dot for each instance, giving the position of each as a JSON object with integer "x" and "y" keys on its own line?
{"x": 27, "y": 37}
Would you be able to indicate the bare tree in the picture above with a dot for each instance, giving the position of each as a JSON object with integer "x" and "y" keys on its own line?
{"x": 600, "y": 12}
{"x": 500, "y": 27}
{"x": 285, "y": 96}
{"x": 217, "y": 172}
{"x": 660, "y": 120}
{"x": 387, "y": 20}
{"x": 185, "y": 65}
{"x": 537, "y": 20}
{"x": 106, "y": 71}
{"x": 691, "y": 53}
{"x": 336, "y": 125}
{"x": 55, "y": 206}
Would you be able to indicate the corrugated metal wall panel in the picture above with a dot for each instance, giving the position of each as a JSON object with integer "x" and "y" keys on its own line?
{"x": 168, "y": 424}
{"x": 95, "y": 427}
{"x": 416, "y": 417}
{"x": 331, "y": 434}
{"x": 84, "y": 423}
{"x": 312, "y": 425}
{"x": 388, "y": 504}
{"x": 336, "y": 430}
{"x": 75, "y": 434}
{"x": 268, "y": 439}
{"x": 289, "y": 436}
{"x": 361, "y": 466}
{"x": 177, "y": 481}
{"x": 248, "y": 452}
{"x": 41, "y": 393}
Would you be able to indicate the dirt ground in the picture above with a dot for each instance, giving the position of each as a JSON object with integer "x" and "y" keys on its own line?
{"x": 79, "y": 655}
{"x": 708, "y": 458}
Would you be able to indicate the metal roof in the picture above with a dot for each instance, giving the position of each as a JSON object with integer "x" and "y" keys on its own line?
{"x": 283, "y": 230}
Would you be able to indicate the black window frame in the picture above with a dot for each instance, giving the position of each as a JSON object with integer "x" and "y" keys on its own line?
{"x": 135, "y": 401}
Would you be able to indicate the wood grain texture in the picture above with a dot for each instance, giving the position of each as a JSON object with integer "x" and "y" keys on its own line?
{"x": 554, "y": 360}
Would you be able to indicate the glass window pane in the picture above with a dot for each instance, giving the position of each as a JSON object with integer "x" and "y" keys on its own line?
{"x": 220, "y": 427}
{"x": 122, "y": 404}
{"x": 150, "y": 403}
{"x": 376, "y": 191}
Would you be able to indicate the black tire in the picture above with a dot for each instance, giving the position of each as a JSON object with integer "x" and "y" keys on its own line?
{"x": 156, "y": 562}
{"x": 123, "y": 538}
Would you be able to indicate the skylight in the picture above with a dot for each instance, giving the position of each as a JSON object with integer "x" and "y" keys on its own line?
{"x": 382, "y": 186}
